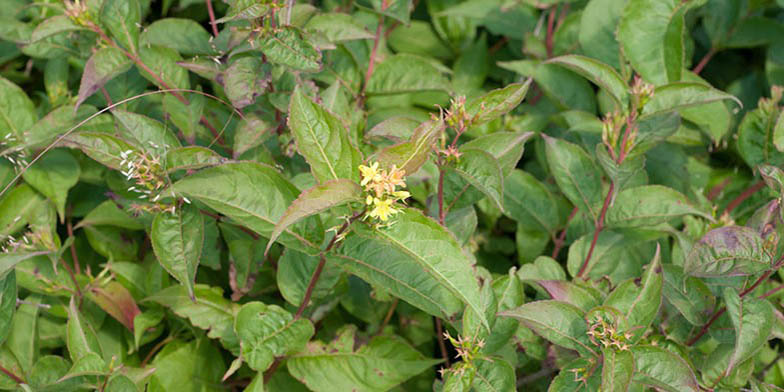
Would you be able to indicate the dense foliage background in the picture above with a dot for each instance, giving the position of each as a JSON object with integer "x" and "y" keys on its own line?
{"x": 406, "y": 195}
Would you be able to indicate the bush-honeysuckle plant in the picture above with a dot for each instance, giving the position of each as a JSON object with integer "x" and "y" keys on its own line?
{"x": 391, "y": 195}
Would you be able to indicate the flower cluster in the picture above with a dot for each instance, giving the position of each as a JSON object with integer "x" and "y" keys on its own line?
{"x": 28, "y": 242}
{"x": 381, "y": 187}
{"x": 150, "y": 178}
{"x": 17, "y": 156}
{"x": 606, "y": 334}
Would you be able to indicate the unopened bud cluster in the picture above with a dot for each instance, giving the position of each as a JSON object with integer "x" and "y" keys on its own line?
{"x": 604, "y": 334}
{"x": 467, "y": 349}
{"x": 381, "y": 186}
{"x": 17, "y": 156}
{"x": 150, "y": 179}
{"x": 77, "y": 11}
{"x": 642, "y": 92}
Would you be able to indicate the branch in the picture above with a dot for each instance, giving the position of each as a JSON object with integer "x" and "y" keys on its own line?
{"x": 743, "y": 196}
{"x": 322, "y": 261}
{"x": 597, "y": 229}
{"x": 748, "y": 290}
{"x": 212, "y": 17}
{"x": 705, "y": 59}
{"x": 11, "y": 375}
{"x": 562, "y": 237}
{"x": 440, "y": 338}
{"x": 372, "y": 60}
{"x": 548, "y": 39}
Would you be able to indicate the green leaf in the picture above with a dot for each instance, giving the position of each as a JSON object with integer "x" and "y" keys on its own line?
{"x": 658, "y": 368}
{"x": 509, "y": 294}
{"x": 245, "y": 254}
{"x": 675, "y": 96}
{"x": 144, "y": 321}
{"x": 102, "y": 147}
{"x": 254, "y": 195}
{"x": 210, "y": 311}
{"x": 116, "y": 301}
{"x": 177, "y": 241}
{"x": 8, "y": 293}
{"x": 506, "y": 147}
{"x": 651, "y": 35}
{"x": 597, "y": 30}
{"x": 639, "y": 301}
{"x": 245, "y": 9}
{"x": 251, "y": 132}
{"x": 54, "y": 25}
{"x": 109, "y": 213}
{"x": 756, "y": 141}
{"x": 318, "y": 198}
{"x": 379, "y": 365}
{"x": 728, "y": 251}
{"x": 191, "y": 158}
{"x": 417, "y": 260}
{"x": 17, "y": 112}
{"x": 529, "y": 202}
{"x": 246, "y": 79}
{"x": 81, "y": 337}
{"x": 559, "y": 322}
{"x": 193, "y": 366}
{"x": 323, "y": 140}
{"x": 778, "y": 132}
{"x": 9, "y": 260}
{"x": 53, "y": 174}
{"x": 268, "y": 331}
{"x": 295, "y": 270}
{"x": 497, "y": 102}
{"x": 576, "y": 174}
{"x": 123, "y": 19}
{"x": 570, "y": 377}
{"x": 572, "y": 293}
{"x": 183, "y": 35}
{"x": 689, "y": 295}
{"x": 599, "y": 74}
{"x": 617, "y": 370}
{"x": 650, "y": 205}
{"x": 16, "y": 208}
{"x": 752, "y": 320}
{"x": 162, "y": 61}
{"x": 23, "y": 339}
{"x": 493, "y": 374}
{"x": 148, "y": 134}
{"x": 483, "y": 172}
{"x": 631, "y": 169}
{"x": 289, "y": 47}
{"x": 337, "y": 27}
{"x": 104, "y": 65}
{"x": 413, "y": 153}
{"x": 406, "y": 73}
{"x": 565, "y": 88}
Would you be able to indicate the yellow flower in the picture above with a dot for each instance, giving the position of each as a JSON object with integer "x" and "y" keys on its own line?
{"x": 395, "y": 178}
{"x": 369, "y": 173}
{"x": 383, "y": 209}
{"x": 402, "y": 195}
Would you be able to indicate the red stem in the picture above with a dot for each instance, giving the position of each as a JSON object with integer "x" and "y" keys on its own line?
{"x": 716, "y": 190}
{"x": 548, "y": 39}
{"x": 441, "y": 345}
{"x": 11, "y": 375}
{"x": 441, "y": 211}
{"x": 598, "y": 229}
{"x": 322, "y": 261}
{"x": 705, "y": 59}
{"x": 748, "y": 290}
{"x": 372, "y": 60}
{"x": 561, "y": 237}
{"x": 212, "y": 17}
{"x": 743, "y": 196}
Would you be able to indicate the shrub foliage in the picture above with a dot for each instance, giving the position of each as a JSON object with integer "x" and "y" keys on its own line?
{"x": 404, "y": 195}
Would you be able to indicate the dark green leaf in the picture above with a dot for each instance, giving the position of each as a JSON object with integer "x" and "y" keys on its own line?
{"x": 268, "y": 331}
